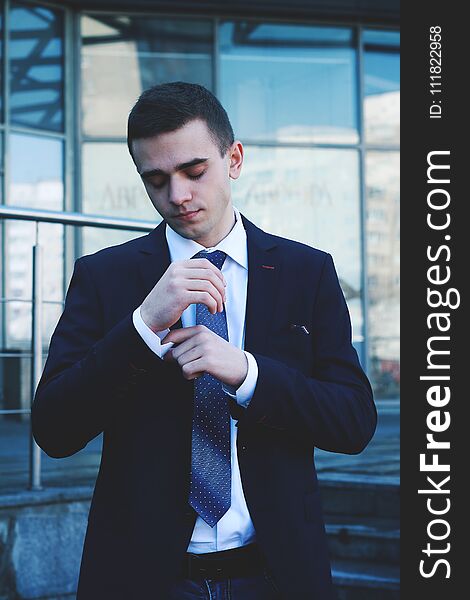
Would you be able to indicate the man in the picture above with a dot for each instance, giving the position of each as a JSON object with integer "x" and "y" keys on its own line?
{"x": 214, "y": 357}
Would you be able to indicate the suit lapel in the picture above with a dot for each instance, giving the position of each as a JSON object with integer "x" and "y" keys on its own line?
{"x": 263, "y": 280}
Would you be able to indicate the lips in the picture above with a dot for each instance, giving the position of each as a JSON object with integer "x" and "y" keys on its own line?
{"x": 188, "y": 214}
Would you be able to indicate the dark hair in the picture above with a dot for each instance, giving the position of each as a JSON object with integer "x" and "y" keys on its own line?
{"x": 169, "y": 106}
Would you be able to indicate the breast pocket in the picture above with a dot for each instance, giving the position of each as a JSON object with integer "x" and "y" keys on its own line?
{"x": 293, "y": 347}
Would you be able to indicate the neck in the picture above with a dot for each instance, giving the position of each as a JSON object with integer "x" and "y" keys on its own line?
{"x": 210, "y": 243}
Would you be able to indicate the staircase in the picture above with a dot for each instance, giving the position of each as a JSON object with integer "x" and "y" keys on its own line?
{"x": 362, "y": 523}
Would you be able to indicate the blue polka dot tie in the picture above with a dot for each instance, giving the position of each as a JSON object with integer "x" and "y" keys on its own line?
{"x": 210, "y": 485}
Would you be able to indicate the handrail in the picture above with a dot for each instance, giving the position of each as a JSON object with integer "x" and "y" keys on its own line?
{"x": 36, "y": 366}
{"x": 61, "y": 218}
{"x": 74, "y": 218}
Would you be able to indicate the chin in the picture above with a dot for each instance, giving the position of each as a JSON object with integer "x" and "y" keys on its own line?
{"x": 187, "y": 232}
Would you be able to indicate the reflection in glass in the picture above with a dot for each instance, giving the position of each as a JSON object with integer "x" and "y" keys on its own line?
{"x": 111, "y": 185}
{"x": 289, "y": 82}
{"x": 36, "y": 177}
{"x": 311, "y": 196}
{"x": 19, "y": 323}
{"x": 19, "y": 240}
{"x": 382, "y": 87}
{"x": 36, "y": 66}
{"x": 383, "y": 257}
{"x": 124, "y": 55}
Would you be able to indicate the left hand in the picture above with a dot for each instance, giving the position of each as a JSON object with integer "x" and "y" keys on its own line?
{"x": 199, "y": 350}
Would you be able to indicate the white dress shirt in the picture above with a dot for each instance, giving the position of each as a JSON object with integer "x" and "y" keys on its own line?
{"x": 235, "y": 528}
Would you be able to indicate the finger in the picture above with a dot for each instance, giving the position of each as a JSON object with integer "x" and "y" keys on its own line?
{"x": 206, "y": 275}
{"x": 185, "y": 346}
{"x": 193, "y": 369}
{"x": 204, "y": 263}
{"x": 188, "y": 355}
{"x": 196, "y": 297}
{"x": 181, "y": 334}
{"x": 202, "y": 285}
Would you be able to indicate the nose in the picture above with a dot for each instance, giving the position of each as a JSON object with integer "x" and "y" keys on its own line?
{"x": 178, "y": 191}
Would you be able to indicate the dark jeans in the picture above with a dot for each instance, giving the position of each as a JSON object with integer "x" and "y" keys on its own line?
{"x": 254, "y": 587}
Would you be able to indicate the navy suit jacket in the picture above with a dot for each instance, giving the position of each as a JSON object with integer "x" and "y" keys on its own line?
{"x": 100, "y": 376}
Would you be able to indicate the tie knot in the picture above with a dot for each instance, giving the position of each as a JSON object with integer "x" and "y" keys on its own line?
{"x": 217, "y": 257}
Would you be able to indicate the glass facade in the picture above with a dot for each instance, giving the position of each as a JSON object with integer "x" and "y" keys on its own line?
{"x": 383, "y": 280}
{"x": 382, "y": 202}
{"x": 124, "y": 55}
{"x": 34, "y": 137}
{"x": 381, "y": 87}
{"x": 316, "y": 107}
{"x": 260, "y": 66}
{"x": 36, "y": 40}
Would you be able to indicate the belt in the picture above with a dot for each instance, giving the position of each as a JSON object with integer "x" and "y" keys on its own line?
{"x": 226, "y": 564}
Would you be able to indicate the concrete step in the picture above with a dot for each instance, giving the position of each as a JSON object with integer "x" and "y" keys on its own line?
{"x": 360, "y": 495}
{"x": 355, "y": 580}
{"x": 367, "y": 539}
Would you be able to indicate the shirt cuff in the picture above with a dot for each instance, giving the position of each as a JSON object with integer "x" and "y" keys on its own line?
{"x": 152, "y": 339}
{"x": 245, "y": 391}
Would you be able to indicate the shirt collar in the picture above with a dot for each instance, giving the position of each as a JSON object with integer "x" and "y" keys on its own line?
{"x": 233, "y": 244}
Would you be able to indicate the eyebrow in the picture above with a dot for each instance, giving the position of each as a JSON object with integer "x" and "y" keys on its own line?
{"x": 180, "y": 167}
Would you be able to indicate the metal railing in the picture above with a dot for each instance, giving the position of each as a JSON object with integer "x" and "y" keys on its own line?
{"x": 60, "y": 218}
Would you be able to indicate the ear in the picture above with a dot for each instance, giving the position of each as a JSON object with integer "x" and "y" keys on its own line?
{"x": 235, "y": 154}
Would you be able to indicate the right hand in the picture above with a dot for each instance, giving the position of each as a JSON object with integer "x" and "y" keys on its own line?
{"x": 185, "y": 282}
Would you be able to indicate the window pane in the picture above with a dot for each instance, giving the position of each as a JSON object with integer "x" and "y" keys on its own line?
{"x": 383, "y": 257}
{"x": 111, "y": 185}
{"x": 301, "y": 194}
{"x": 382, "y": 87}
{"x": 289, "y": 82}
{"x": 36, "y": 77}
{"x": 14, "y": 448}
{"x": 124, "y": 55}
{"x": 19, "y": 324}
{"x": 36, "y": 172}
{"x": 19, "y": 240}
{"x": 15, "y": 381}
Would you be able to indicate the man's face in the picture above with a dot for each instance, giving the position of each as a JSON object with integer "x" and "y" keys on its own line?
{"x": 188, "y": 181}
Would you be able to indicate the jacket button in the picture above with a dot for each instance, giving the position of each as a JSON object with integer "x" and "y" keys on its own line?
{"x": 243, "y": 448}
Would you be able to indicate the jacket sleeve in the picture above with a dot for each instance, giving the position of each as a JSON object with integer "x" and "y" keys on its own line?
{"x": 334, "y": 408}
{"x": 87, "y": 370}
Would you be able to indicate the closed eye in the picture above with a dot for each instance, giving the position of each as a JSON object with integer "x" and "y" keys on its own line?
{"x": 196, "y": 176}
{"x": 158, "y": 185}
